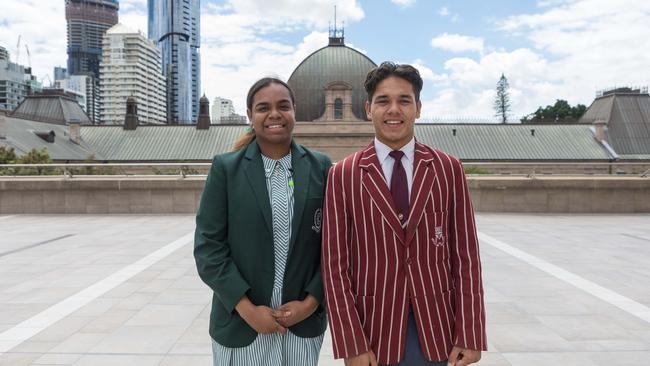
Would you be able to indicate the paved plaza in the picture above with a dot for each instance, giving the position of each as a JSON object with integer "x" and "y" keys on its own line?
{"x": 123, "y": 290}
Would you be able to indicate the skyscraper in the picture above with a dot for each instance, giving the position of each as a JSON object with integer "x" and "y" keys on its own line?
{"x": 131, "y": 68}
{"x": 88, "y": 20}
{"x": 174, "y": 25}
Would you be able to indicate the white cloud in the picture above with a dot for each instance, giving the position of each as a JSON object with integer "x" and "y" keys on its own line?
{"x": 457, "y": 43}
{"x": 443, "y": 12}
{"x": 577, "y": 47}
{"x": 403, "y": 3}
{"x": 236, "y": 49}
{"x": 45, "y": 35}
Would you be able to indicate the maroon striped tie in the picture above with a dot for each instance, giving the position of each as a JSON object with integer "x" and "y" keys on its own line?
{"x": 399, "y": 187}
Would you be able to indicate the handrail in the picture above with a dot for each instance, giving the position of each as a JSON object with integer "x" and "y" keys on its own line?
{"x": 183, "y": 170}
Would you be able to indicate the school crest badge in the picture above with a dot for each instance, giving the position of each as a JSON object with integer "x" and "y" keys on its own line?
{"x": 318, "y": 220}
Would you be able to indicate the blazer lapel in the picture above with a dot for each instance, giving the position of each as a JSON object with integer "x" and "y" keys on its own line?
{"x": 257, "y": 179}
{"x": 424, "y": 182}
{"x": 374, "y": 182}
{"x": 301, "y": 180}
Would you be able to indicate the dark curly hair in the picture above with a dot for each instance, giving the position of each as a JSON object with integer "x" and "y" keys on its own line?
{"x": 386, "y": 69}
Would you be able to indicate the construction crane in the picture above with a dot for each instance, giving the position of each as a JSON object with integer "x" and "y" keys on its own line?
{"x": 18, "y": 49}
{"x": 29, "y": 56}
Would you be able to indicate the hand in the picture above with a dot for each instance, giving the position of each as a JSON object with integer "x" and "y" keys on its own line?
{"x": 363, "y": 359}
{"x": 297, "y": 311}
{"x": 261, "y": 318}
{"x": 463, "y": 356}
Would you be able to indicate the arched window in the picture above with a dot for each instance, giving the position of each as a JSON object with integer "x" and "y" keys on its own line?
{"x": 338, "y": 108}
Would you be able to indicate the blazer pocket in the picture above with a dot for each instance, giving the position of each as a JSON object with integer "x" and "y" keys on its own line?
{"x": 221, "y": 316}
{"x": 364, "y": 306}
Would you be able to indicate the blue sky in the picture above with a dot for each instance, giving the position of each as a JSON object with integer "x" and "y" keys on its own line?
{"x": 548, "y": 49}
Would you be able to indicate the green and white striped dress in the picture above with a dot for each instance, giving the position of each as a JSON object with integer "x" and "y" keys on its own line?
{"x": 275, "y": 349}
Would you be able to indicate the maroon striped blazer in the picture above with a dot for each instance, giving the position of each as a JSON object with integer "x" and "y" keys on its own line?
{"x": 373, "y": 269}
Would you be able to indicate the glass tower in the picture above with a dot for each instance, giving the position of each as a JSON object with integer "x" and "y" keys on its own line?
{"x": 87, "y": 21}
{"x": 174, "y": 25}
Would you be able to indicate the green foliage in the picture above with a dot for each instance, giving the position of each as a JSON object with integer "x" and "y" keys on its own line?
{"x": 474, "y": 170}
{"x": 7, "y": 155}
{"x": 560, "y": 112}
{"x": 91, "y": 170}
{"x": 502, "y": 104}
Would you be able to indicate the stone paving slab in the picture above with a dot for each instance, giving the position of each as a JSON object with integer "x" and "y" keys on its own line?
{"x": 159, "y": 316}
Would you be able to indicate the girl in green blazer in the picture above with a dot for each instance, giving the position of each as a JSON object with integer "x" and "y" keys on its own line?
{"x": 258, "y": 239}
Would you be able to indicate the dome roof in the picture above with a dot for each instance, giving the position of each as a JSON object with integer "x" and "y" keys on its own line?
{"x": 335, "y": 62}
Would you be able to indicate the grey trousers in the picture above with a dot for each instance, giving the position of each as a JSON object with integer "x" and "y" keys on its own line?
{"x": 414, "y": 355}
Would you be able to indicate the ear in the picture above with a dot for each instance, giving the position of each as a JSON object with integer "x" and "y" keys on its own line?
{"x": 367, "y": 106}
{"x": 418, "y": 106}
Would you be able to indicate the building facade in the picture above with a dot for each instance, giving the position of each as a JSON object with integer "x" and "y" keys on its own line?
{"x": 13, "y": 87}
{"x": 174, "y": 25}
{"x": 87, "y": 21}
{"x": 86, "y": 90}
{"x": 223, "y": 111}
{"x": 131, "y": 67}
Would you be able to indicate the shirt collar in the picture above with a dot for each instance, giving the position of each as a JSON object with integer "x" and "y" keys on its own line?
{"x": 269, "y": 164}
{"x": 383, "y": 150}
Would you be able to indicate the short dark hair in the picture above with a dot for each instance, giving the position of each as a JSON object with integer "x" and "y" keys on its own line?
{"x": 386, "y": 69}
{"x": 263, "y": 83}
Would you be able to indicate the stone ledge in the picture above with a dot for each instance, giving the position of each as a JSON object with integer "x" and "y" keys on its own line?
{"x": 164, "y": 194}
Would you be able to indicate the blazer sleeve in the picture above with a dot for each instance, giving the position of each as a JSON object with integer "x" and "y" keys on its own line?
{"x": 466, "y": 267}
{"x": 315, "y": 285}
{"x": 348, "y": 337}
{"x": 211, "y": 248}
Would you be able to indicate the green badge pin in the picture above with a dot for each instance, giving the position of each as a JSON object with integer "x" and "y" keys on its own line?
{"x": 291, "y": 183}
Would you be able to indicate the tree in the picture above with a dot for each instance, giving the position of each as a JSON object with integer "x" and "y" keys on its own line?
{"x": 502, "y": 100}
{"x": 561, "y": 111}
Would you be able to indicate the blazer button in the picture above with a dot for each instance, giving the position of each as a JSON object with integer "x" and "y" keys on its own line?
{"x": 408, "y": 261}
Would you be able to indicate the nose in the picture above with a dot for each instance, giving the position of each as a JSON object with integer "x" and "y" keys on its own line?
{"x": 274, "y": 114}
{"x": 393, "y": 108}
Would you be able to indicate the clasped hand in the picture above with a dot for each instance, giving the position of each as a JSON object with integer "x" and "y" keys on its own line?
{"x": 265, "y": 320}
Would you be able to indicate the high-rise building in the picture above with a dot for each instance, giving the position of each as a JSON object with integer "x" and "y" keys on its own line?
{"x": 88, "y": 20}
{"x": 13, "y": 86}
{"x": 221, "y": 108}
{"x": 82, "y": 86}
{"x": 223, "y": 111}
{"x": 131, "y": 67}
{"x": 60, "y": 73}
{"x": 174, "y": 25}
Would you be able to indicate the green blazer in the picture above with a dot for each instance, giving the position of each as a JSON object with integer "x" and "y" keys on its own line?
{"x": 233, "y": 243}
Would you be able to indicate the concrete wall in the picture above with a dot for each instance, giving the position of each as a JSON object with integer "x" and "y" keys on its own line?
{"x": 164, "y": 195}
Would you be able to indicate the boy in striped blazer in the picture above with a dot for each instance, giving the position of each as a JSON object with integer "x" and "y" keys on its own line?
{"x": 400, "y": 256}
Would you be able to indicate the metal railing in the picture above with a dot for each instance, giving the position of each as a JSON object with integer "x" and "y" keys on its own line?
{"x": 184, "y": 170}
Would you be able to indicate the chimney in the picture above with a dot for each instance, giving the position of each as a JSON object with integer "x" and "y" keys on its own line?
{"x": 3, "y": 126}
{"x": 131, "y": 118}
{"x": 203, "y": 123}
{"x": 74, "y": 129}
{"x": 453, "y": 131}
{"x": 599, "y": 133}
{"x": 532, "y": 132}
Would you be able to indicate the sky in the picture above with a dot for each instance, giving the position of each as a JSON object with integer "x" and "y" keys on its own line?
{"x": 547, "y": 49}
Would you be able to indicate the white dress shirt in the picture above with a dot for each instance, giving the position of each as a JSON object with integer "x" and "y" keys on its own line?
{"x": 387, "y": 161}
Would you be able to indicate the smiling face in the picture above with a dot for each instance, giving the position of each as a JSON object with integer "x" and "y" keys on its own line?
{"x": 272, "y": 115}
{"x": 393, "y": 110}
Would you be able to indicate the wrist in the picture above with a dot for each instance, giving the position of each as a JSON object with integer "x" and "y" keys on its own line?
{"x": 310, "y": 303}
{"x": 244, "y": 306}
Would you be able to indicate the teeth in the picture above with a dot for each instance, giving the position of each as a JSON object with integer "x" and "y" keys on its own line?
{"x": 274, "y": 126}
{"x": 393, "y": 122}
